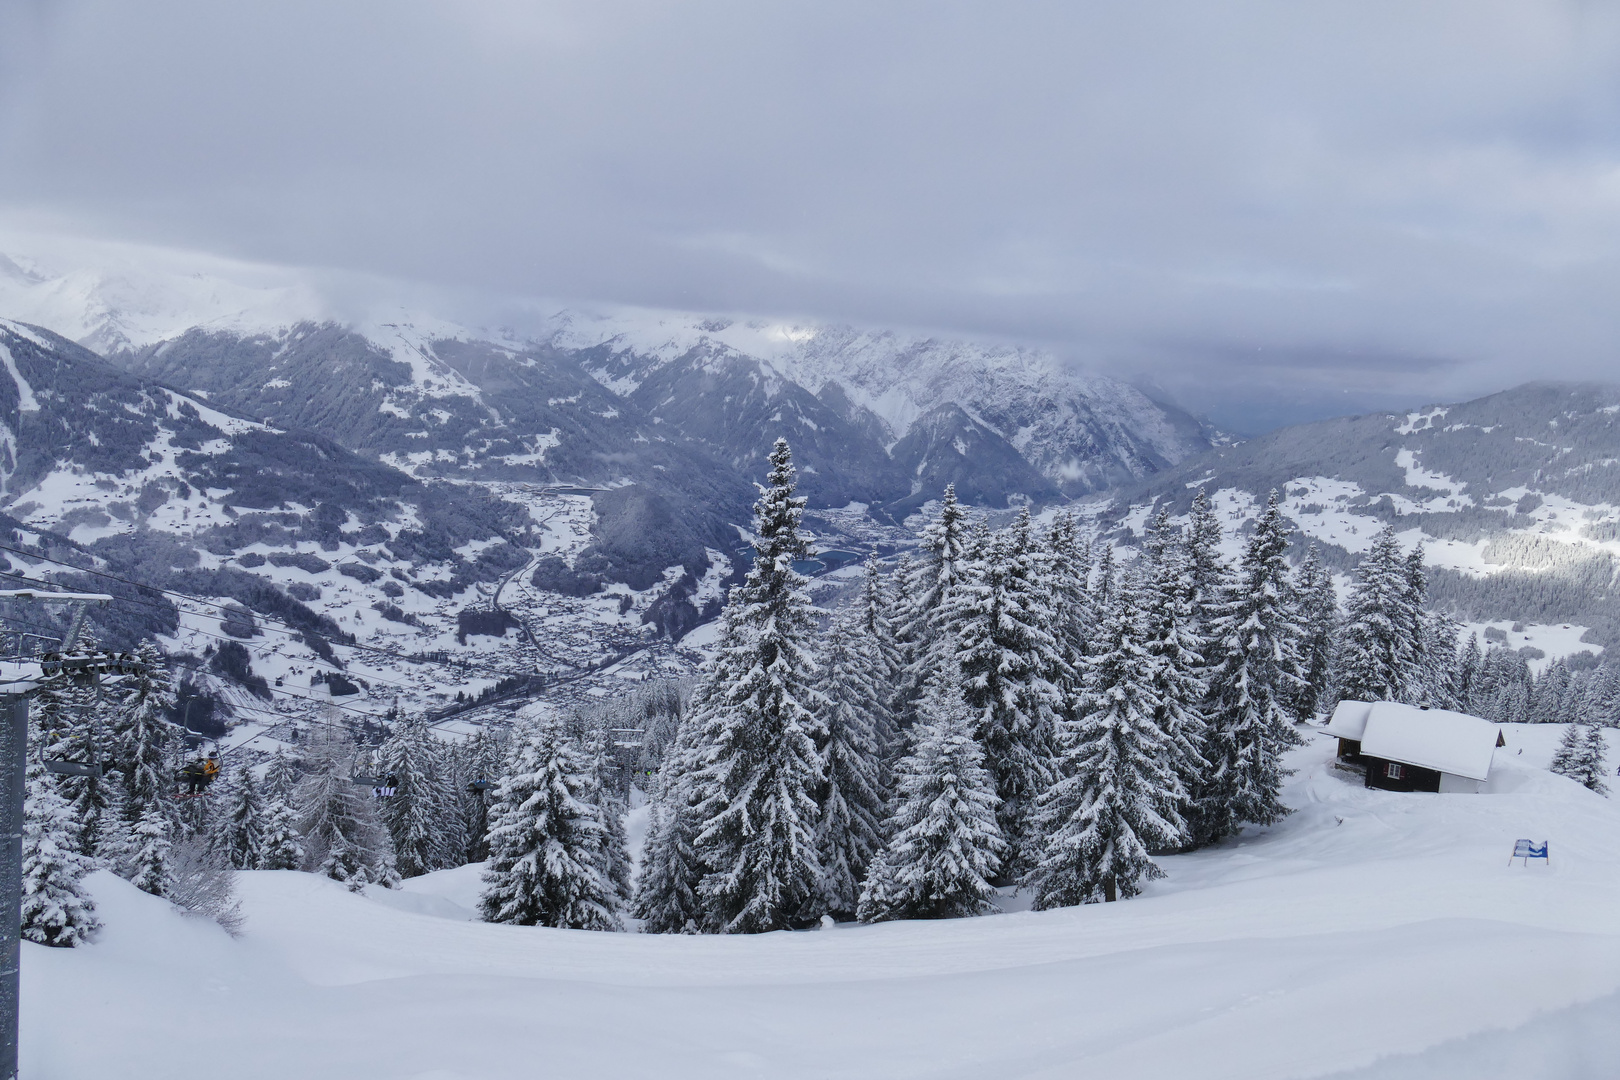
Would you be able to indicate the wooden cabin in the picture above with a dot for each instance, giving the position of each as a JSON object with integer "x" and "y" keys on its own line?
{"x": 1408, "y": 748}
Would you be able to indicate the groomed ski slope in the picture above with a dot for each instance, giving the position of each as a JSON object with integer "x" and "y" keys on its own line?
{"x": 1370, "y": 933}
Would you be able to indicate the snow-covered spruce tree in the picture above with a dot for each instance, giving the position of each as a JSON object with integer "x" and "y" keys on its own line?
{"x": 55, "y": 909}
{"x": 615, "y": 842}
{"x": 115, "y": 846}
{"x": 1168, "y": 626}
{"x": 1066, "y": 569}
{"x": 151, "y": 842}
{"x": 1119, "y": 795}
{"x": 927, "y": 585}
{"x": 759, "y": 771}
{"x": 143, "y": 739}
{"x": 878, "y": 605}
{"x": 280, "y": 847}
{"x": 944, "y": 843}
{"x": 1470, "y": 662}
{"x": 1001, "y": 613}
{"x": 1255, "y": 680}
{"x": 1319, "y": 619}
{"x": 337, "y": 822}
{"x": 1377, "y": 654}
{"x": 415, "y": 815}
{"x": 281, "y": 776}
{"x": 667, "y": 899}
{"x": 70, "y": 720}
{"x": 1205, "y": 565}
{"x": 1441, "y": 671}
{"x": 1581, "y": 755}
{"x": 1106, "y": 579}
{"x": 1547, "y": 695}
{"x": 851, "y": 798}
{"x": 239, "y": 832}
{"x": 546, "y": 838}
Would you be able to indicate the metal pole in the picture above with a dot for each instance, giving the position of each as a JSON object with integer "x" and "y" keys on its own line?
{"x": 13, "y": 787}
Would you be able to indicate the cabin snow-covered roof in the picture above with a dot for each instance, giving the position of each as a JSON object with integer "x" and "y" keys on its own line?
{"x": 1438, "y": 739}
{"x": 1349, "y": 719}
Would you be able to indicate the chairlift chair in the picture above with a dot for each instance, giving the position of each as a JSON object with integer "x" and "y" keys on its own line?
{"x": 197, "y": 774}
{"x": 382, "y": 786}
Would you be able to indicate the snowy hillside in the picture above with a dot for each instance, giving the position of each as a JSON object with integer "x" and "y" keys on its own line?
{"x": 1370, "y": 934}
{"x": 1515, "y": 497}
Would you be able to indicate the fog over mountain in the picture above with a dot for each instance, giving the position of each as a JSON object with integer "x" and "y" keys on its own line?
{"x": 1277, "y": 213}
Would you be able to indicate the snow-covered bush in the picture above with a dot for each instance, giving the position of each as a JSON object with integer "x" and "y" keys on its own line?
{"x": 200, "y": 883}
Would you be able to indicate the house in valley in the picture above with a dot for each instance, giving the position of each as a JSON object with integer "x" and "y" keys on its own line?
{"x": 1408, "y": 748}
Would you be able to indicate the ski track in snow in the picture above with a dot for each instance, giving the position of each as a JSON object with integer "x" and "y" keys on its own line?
{"x": 1367, "y": 924}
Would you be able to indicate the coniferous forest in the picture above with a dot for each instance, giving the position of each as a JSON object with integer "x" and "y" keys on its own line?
{"x": 1023, "y": 707}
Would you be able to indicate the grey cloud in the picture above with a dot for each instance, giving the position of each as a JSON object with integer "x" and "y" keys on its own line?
{"x": 1172, "y": 188}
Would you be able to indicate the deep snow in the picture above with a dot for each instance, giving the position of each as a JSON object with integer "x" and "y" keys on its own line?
{"x": 1365, "y": 925}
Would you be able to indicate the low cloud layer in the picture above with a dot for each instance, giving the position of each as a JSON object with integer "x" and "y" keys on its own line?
{"x": 1272, "y": 210}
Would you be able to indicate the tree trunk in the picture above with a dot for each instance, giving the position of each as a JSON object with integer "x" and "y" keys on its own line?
{"x": 1110, "y": 889}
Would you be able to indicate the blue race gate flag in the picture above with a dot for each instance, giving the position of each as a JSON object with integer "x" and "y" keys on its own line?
{"x": 1529, "y": 849}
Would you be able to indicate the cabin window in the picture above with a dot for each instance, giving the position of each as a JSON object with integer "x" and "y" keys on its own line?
{"x": 1393, "y": 771}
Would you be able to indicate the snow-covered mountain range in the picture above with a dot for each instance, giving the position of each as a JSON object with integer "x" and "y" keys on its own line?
{"x": 572, "y": 496}
{"x": 365, "y": 476}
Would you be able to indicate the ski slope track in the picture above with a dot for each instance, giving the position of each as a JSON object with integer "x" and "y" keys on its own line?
{"x": 1370, "y": 934}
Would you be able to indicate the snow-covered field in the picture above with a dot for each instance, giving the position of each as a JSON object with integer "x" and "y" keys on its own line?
{"x": 1371, "y": 934}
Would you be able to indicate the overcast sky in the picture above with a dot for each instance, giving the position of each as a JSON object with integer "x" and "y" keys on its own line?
{"x": 1276, "y": 210}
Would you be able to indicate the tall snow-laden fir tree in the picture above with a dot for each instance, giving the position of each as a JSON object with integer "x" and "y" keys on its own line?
{"x": 69, "y": 716}
{"x": 1319, "y": 619}
{"x": 418, "y": 815}
{"x": 1208, "y": 570}
{"x": 878, "y": 605}
{"x": 940, "y": 552}
{"x": 115, "y": 847}
{"x": 1008, "y": 654}
{"x": 240, "y": 832}
{"x": 1119, "y": 795}
{"x": 149, "y": 863}
{"x": 667, "y": 900}
{"x": 1067, "y": 566}
{"x": 1581, "y": 755}
{"x": 851, "y": 798}
{"x": 477, "y": 759}
{"x": 143, "y": 738}
{"x": 1377, "y": 654}
{"x": 615, "y": 842}
{"x": 1106, "y": 579}
{"x": 1251, "y": 689}
{"x": 759, "y": 771}
{"x": 55, "y": 908}
{"x": 944, "y": 843}
{"x": 943, "y": 552}
{"x": 280, "y": 847}
{"x": 337, "y": 821}
{"x": 1206, "y": 567}
{"x": 546, "y": 838}
{"x": 1168, "y": 623}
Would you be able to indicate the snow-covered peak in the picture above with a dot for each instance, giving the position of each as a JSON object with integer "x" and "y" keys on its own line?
{"x": 110, "y": 296}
